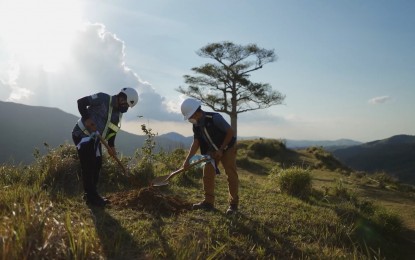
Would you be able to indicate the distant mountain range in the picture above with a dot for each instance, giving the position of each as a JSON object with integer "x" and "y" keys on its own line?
{"x": 328, "y": 145}
{"x": 394, "y": 155}
{"x": 25, "y": 128}
{"x": 292, "y": 144}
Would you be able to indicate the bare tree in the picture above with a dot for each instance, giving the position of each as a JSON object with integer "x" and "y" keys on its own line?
{"x": 225, "y": 86}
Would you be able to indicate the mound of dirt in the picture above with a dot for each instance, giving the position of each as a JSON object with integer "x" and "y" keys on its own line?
{"x": 149, "y": 199}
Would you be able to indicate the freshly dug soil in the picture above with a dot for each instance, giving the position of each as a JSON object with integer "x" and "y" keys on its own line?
{"x": 149, "y": 199}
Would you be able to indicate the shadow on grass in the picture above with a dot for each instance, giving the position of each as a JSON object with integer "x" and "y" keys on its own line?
{"x": 157, "y": 225}
{"x": 117, "y": 243}
{"x": 366, "y": 236}
{"x": 407, "y": 239}
{"x": 275, "y": 244}
{"x": 252, "y": 166}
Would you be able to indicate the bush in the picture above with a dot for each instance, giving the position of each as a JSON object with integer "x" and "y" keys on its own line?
{"x": 266, "y": 148}
{"x": 384, "y": 179}
{"x": 406, "y": 187}
{"x": 143, "y": 174}
{"x": 389, "y": 222}
{"x": 295, "y": 181}
{"x": 341, "y": 192}
{"x": 61, "y": 170}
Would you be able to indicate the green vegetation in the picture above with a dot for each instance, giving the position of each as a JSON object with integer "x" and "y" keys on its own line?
{"x": 293, "y": 181}
{"x": 294, "y": 207}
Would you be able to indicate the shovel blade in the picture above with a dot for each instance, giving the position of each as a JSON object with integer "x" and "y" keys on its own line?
{"x": 160, "y": 181}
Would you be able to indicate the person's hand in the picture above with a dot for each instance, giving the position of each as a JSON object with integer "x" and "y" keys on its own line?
{"x": 90, "y": 125}
{"x": 186, "y": 164}
{"x": 217, "y": 155}
{"x": 112, "y": 151}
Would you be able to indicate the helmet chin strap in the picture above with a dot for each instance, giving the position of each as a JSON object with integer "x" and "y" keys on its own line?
{"x": 123, "y": 109}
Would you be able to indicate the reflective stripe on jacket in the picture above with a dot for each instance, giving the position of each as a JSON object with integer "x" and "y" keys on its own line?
{"x": 101, "y": 111}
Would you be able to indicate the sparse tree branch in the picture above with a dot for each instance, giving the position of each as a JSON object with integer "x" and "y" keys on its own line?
{"x": 225, "y": 86}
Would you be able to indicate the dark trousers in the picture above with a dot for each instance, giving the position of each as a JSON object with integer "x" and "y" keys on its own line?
{"x": 90, "y": 164}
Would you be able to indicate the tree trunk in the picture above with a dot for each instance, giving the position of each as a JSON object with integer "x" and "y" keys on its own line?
{"x": 234, "y": 113}
{"x": 234, "y": 122}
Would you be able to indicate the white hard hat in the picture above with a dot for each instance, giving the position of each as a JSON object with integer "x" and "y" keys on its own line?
{"x": 132, "y": 96}
{"x": 189, "y": 107}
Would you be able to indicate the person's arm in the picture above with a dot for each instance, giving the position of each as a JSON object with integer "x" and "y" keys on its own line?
{"x": 83, "y": 104}
{"x": 111, "y": 144}
{"x": 192, "y": 151}
{"x": 228, "y": 138}
{"x": 217, "y": 155}
{"x": 221, "y": 123}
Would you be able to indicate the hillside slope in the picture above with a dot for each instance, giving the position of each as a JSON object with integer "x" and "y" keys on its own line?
{"x": 394, "y": 155}
{"x": 144, "y": 222}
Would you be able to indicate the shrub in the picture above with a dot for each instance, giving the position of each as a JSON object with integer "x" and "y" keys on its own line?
{"x": 383, "y": 179}
{"x": 358, "y": 174}
{"x": 389, "y": 222}
{"x": 406, "y": 187}
{"x": 61, "y": 170}
{"x": 343, "y": 193}
{"x": 295, "y": 181}
{"x": 143, "y": 173}
{"x": 265, "y": 148}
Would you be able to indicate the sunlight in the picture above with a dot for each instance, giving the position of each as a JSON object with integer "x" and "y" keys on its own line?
{"x": 39, "y": 32}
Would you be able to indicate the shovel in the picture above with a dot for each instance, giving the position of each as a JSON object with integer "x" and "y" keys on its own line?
{"x": 164, "y": 180}
{"x": 115, "y": 157}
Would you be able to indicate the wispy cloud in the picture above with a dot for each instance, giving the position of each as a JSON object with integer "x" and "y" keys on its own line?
{"x": 379, "y": 100}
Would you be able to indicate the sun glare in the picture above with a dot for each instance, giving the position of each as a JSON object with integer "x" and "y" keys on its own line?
{"x": 39, "y": 32}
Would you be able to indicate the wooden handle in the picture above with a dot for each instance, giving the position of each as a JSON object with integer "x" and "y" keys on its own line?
{"x": 110, "y": 153}
{"x": 164, "y": 180}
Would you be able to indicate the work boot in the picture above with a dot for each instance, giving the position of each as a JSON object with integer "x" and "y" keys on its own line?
{"x": 95, "y": 200}
{"x": 233, "y": 208}
{"x": 203, "y": 205}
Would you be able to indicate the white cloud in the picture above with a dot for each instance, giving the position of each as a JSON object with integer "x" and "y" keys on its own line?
{"x": 11, "y": 88}
{"x": 97, "y": 64}
{"x": 379, "y": 100}
{"x": 18, "y": 94}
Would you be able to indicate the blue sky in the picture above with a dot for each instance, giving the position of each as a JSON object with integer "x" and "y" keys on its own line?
{"x": 346, "y": 67}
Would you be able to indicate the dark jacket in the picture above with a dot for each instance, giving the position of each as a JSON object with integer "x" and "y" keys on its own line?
{"x": 216, "y": 133}
{"x": 97, "y": 107}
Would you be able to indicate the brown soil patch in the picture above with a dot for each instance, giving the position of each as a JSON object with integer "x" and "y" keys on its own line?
{"x": 149, "y": 199}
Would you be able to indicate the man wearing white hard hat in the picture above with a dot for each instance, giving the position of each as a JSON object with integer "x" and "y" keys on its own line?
{"x": 214, "y": 137}
{"x": 100, "y": 114}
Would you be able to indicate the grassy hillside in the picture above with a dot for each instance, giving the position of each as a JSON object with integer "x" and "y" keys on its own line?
{"x": 343, "y": 215}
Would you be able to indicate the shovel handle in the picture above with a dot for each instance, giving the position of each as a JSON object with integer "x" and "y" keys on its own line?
{"x": 204, "y": 159}
{"x": 163, "y": 180}
{"x": 113, "y": 156}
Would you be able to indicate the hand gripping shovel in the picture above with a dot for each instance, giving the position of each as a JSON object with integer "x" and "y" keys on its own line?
{"x": 164, "y": 180}
{"x": 115, "y": 157}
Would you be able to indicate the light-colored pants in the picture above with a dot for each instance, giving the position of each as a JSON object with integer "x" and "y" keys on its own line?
{"x": 228, "y": 161}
